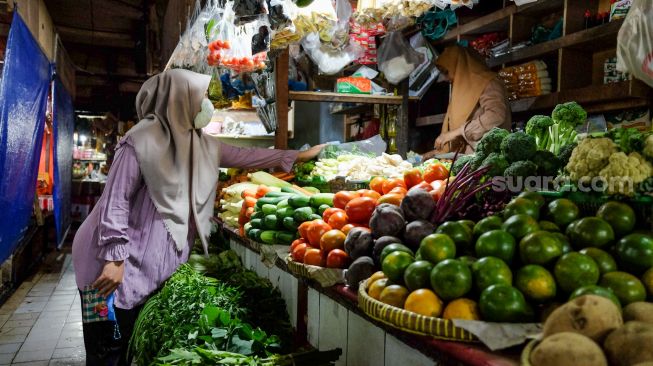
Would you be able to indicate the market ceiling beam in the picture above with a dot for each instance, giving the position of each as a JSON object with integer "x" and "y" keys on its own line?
{"x": 90, "y": 37}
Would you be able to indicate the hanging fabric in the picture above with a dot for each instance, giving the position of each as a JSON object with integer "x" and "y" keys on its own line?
{"x": 64, "y": 126}
{"x": 23, "y": 97}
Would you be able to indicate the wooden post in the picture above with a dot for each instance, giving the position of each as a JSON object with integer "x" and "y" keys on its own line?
{"x": 403, "y": 125}
{"x": 281, "y": 84}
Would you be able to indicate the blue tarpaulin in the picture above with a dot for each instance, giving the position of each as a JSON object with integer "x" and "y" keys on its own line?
{"x": 23, "y": 98}
{"x": 64, "y": 126}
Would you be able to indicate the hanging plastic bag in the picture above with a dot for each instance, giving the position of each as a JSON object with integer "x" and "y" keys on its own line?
{"x": 249, "y": 10}
{"x": 397, "y": 59}
{"x": 635, "y": 42}
{"x": 328, "y": 60}
{"x": 284, "y": 32}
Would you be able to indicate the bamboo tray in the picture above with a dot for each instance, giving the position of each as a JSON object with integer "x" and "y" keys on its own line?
{"x": 526, "y": 353}
{"x": 411, "y": 322}
{"x": 326, "y": 277}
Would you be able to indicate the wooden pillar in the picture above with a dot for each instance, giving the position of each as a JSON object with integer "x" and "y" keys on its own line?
{"x": 281, "y": 85}
{"x": 402, "y": 122}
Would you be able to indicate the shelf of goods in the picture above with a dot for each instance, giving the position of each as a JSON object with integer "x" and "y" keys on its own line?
{"x": 330, "y": 317}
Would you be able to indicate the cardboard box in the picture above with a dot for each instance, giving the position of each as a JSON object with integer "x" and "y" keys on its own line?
{"x": 354, "y": 85}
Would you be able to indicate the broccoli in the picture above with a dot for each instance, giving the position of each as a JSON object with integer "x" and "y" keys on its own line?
{"x": 566, "y": 117}
{"x": 491, "y": 141}
{"x": 628, "y": 139}
{"x": 547, "y": 163}
{"x": 538, "y": 127}
{"x": 460, "y": 162}
{"x": 476, "y": 161}
{"x": 565, "y": 153}
{"x": 518, "y": 146}
{"x": 497, "y": 163}
{"x": 522, "y": 168}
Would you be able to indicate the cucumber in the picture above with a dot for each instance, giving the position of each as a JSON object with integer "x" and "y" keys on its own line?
{"x": 254, "y": 234}
{"x": 258, "y": 235}
{"x": 269, "y": 236}
{"x": 319, "y": 199}
{"x": 311, "y": 189}
{"x": 247, "y": 227}
{"x": 278, "y": 194}
{"x": 270, "y": 222}
{"x": 315, "y": 217}
{"x": 323, "y": 208}
{"x": 303, "y": 214}
{"x": 269, "y": 209}
{"x": 290, "y": 224}
{"x": 298, "y": 201}
{"x": 285, "y": 212}
{"x": 269, "y": 201}
{"x": 284, "y": 237}
{"x": 257, "y": 215}
{"x": 256, "y": 223}
{"x": 283, "y": 204}
{"x": 292, "y": 191}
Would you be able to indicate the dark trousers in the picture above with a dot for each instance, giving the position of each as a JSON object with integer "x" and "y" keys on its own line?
{"x": 102, "y": 347}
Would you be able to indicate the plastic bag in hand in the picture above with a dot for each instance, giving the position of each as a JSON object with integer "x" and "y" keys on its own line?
{"x": 635, "y": 42}
{"x": 397, "y": 59}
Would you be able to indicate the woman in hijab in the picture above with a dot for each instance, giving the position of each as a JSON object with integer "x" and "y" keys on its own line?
{"x": 158, "y": 197}
{"x": 478, "y": 102}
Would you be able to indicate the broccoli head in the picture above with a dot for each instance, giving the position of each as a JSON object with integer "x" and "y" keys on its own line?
{"x": 518, "y": 146}
{"x": 570, "y": 114}
{"x": 547, "y": 163}
{"x": 538, "y": 127}
{"x": 460, "y": 162}
{"x": 497, "y": 164}
{"x": 491, "y": 141}
{"x": 565, "y": 153}
{"x": 476, "y": 161}
{"x": 522, "y": 168}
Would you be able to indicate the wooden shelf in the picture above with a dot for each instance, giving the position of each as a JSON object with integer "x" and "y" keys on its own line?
{"x": 595, "y": 98}
{"x": 436, "y": 119}
{"x": 329, "y": 97}
{"x": 357, "y": 109}
{"x": 593, "y": 39}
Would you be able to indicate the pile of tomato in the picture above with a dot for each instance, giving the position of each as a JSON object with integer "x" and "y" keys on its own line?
{"x": 238, "y": 64}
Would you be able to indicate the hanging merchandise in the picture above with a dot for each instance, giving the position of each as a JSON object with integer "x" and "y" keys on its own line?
{"x": 330, "y": 61}
{"x": 266, "y": 108}
{"x": 239, "y": 47}
{"x": 365, "y": 35}
{"x": 635, "y": 42}
{"x": 397, "y": 59}
{"x": 319, "y": 17}
{"x": 191, "y": 51}
{"x": 435, "y": 24}
{"x": 249, "y": 10}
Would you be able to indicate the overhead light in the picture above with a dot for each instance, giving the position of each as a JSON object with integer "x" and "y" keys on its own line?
{"x": 91, "y": 116}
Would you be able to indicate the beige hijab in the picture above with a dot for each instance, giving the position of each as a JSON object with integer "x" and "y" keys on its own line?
{"x": 179, "y": 164}
{"x": 470, "y": 77}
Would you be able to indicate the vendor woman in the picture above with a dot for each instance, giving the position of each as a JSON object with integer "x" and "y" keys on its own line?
{"x": 478, "y": 102}
{"x": 159, "y": 195}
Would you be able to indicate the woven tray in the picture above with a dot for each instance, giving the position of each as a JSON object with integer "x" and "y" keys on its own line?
{"x": 326, "y": 277}
{"x": 526, "y": 353}
{"x": 342, "y": 184}
{"x": 411, "y": 322}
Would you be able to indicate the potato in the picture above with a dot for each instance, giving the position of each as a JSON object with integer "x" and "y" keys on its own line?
{"x": 568, "y": 349}
{"x": 630, "y": 344}
{"x": 639, "y": 311}
{"x": 590, "y": 315}
{"x": 644, "y": 364}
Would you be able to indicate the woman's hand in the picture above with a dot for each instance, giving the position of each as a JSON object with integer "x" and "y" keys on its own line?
{"x": 445, "y": 138}
{"x": 310, "y": 153}
{"x": 110, "y": 278}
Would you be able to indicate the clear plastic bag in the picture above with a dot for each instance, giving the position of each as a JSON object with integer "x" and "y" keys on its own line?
{"x": 328, "y": 60}
{"x": 397, "y": 59}
{"x": 374, "y": 146}
{"x": 635, "y": 42}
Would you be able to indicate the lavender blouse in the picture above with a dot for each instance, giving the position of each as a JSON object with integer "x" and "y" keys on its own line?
{"x": 124, "y": 225}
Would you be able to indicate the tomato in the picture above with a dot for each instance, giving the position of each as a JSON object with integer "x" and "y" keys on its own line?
{"x": 341, "y": 198}
{"x": 412, "y": 177}
{"x": 298, "y": 253}
{"x": 315, "y": 232}
{"x": 345, "y": 229}
{"x": 332, "y": 239}
{"x": 337, "y": 258}
{"x": 296, "y": 243}
{"x": 369, "y": 193}
{"x": 435, "y": 172}
{"x": 314, "y": 257}
{"x": 422, "y": 185}
{"x": 330, "y": 211}
{"x": 391, "y": 198}
{"x": 376, "y": 184}
{"x": 360, "y": 209}
{"x": 338, "y": 220}
{"x": 393, "y": 183}
{"x": 438, "y": 189}
{"x": 399, "y": 190}
{"x": 303, "y": 229}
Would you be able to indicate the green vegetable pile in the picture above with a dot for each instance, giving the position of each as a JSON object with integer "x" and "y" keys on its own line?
{"x": 555, "y": 132}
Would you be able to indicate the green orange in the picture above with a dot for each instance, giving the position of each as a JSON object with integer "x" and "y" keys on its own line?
{"x": 504, "y": 304}
{"x": 521, "y": 206}
{"x": 437, "y": 247}
{"x": 619, "y": 215}
{"x": 490, "y": 271}
{"x": 574, "y": 270}
{"x": 459, "y": 232}
{"x": 540, "y": 247}
{"x": 590, "y": 232}
{"x": 394, "y": 295}
{"x": 496, "y": 243}
{"x": 486, "y": 224}
{"x": 627, "y": 287}
{"x": 451, "y": 279}
{"x": 533, "y": 196}
{"x": 520, "y": 225}
{"x": 418, "y": 275}
{"x": 536, "y": 283}
{"x": 602, "y": 258}
{"x": 635, "y": 252}
{"x": 394, "y": 265}
{"x": 598, "y": 291}
{"x": 562, "y": 212}
{"x": 647, "y": 281}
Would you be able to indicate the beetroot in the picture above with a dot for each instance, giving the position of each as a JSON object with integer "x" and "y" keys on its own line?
{"x": 416, "y": 231}
{"x": 417, "y": 205}
{"x": 387, "y": 220}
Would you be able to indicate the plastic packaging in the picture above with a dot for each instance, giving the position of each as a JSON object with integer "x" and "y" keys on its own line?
{"x": 635, "y": 42}
{"x": 397, "y": 59}
{"x": 374, "y": 146}
{"x": 328, "y": 60}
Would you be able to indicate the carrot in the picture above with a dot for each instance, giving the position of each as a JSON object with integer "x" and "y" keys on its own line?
{"x": 249, "y": 212}
{"x": 249, "y": 202}
{"x": 241, "y": 230}
{"x": 248, "y": 193}
{"x": 262, "y": 190}
{"x": 302, "y": 190}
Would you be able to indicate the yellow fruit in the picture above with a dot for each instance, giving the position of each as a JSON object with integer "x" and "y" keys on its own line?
{"x": 394, "y": 295}
{"x": 424, "y": 302}
{"x": 462, "y": 309}
{"x": 376, "y": 276}
{"x": 376, "y": 287}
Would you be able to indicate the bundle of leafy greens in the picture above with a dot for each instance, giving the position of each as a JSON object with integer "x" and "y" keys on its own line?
{"x": 201, "y": 356}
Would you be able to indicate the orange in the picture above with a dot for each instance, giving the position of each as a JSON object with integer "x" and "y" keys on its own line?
{"x": 462, "y": 309}
{"x": 376, "y": 276}
{"x": 377, "y": 287}
{"x": 394, "y": 295}
{"x": 424, "y": 302}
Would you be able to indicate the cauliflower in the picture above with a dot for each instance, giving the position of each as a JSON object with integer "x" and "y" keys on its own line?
{"x": 589, "y": 157}
{"x": 648, "y": 147}
{"x": 624, "y": 172}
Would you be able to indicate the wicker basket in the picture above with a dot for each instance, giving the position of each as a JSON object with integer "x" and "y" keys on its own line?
{"x": 411, "y": 322}
{"x": 526, "y": 353}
